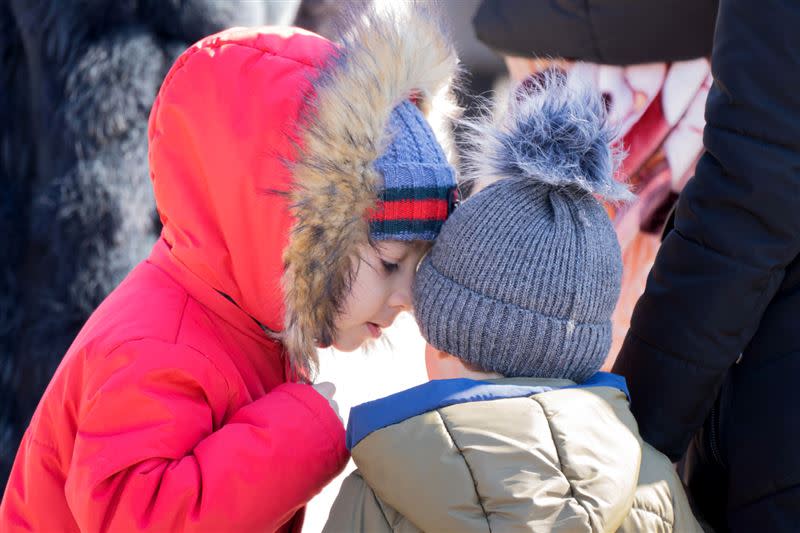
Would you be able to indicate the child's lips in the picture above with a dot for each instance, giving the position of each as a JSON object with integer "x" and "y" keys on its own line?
{"x": 374, "y": 329}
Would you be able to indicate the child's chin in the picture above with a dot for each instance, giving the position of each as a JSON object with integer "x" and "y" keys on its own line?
{"x": 356, "y": 342}
{"x": 347, "y": 345}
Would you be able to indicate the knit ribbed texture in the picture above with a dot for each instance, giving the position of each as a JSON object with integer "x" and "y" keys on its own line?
{"x": 522, "y": 281}
{"x": 418, "y": 181}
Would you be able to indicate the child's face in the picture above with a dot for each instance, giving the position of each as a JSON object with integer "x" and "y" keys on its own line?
{"x": 381, "y": 290}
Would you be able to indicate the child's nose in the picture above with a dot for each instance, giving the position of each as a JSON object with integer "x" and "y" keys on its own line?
{"x": 401, "y": 298}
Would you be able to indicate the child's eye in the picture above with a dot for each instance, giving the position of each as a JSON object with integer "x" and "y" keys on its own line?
{"x": 390, "y": 267}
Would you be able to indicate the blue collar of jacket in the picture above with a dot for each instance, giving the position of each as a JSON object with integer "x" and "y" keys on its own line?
{"x": 372, "y": 416}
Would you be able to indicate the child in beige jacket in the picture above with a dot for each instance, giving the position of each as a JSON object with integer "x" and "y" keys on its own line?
{"x": 518, "y": 430}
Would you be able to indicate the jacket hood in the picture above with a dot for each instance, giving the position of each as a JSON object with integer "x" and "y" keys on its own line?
{"x": 262, "y": 143}
{"x": 509, "y": 455}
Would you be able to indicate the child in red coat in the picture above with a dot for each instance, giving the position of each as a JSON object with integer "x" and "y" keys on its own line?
{"x": 296, "y": 180}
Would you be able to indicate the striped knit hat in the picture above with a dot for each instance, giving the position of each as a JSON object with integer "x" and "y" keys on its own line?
{"x": 419, "y": 185}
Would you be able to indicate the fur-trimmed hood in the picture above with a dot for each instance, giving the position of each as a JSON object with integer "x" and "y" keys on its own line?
{"x": 262, "y": 143}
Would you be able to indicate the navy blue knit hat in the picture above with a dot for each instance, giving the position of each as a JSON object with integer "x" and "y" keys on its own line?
{"x": 419, "y": 185}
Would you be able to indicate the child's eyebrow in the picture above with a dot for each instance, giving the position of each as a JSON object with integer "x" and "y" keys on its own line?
{"x": 399, "y": 258}
{"x": 383, "y": 251}
{"x": 407, "y": 250}
{"x": 410, "y": 248}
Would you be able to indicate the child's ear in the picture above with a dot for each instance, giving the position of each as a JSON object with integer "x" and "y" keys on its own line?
{"x": 442, "y": 365}
{"x": 433, "y": 361}
{"x": 434, "y": 353}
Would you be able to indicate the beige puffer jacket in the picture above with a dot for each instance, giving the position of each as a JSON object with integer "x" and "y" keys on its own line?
{"x": 566, "y": 459}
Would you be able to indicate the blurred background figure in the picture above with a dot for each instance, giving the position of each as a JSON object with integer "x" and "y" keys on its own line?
{"x": 77, "y": 80}
{"x": 721, "y": 377}
{"x": 650, "y": 61}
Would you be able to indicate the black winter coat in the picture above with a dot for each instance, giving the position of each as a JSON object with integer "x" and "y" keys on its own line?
{"x": 714, "y": 343}
{"x": 612, "y": 32}
{"x": 77, "y": 79}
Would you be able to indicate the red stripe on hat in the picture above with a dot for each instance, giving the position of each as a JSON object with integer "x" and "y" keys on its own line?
{"x": 431, "y": 209}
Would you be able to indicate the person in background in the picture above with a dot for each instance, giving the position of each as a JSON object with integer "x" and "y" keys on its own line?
{"x": 727, "y": 282}
{"x": 517, "y": 430}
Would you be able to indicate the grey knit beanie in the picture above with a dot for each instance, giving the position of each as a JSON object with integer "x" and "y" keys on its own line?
{"x": 524, "y": 276}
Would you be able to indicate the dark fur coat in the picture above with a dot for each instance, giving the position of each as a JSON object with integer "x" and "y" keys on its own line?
{"x": 77, "y": 79}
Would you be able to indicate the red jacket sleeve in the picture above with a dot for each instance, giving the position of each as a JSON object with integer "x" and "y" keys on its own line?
{"x": 151, "y": 451}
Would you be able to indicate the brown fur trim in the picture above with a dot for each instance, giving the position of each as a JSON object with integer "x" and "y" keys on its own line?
{"x": 387, "y": 55}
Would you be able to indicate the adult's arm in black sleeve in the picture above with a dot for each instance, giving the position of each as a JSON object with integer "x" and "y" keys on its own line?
{"x": 737, "y": 227}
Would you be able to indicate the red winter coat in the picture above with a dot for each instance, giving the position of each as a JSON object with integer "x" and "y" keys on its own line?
{"x": 171, "y": 410}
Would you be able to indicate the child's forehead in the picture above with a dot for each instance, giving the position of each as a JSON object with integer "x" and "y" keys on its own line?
{"x": 402, "y": 247}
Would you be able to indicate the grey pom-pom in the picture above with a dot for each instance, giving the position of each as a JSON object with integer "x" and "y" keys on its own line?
{"x": 550, "y": 132}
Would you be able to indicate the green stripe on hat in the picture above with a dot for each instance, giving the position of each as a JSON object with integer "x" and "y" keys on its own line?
{"x": 416, "y": 193}
{"x": 405, "y": 226}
